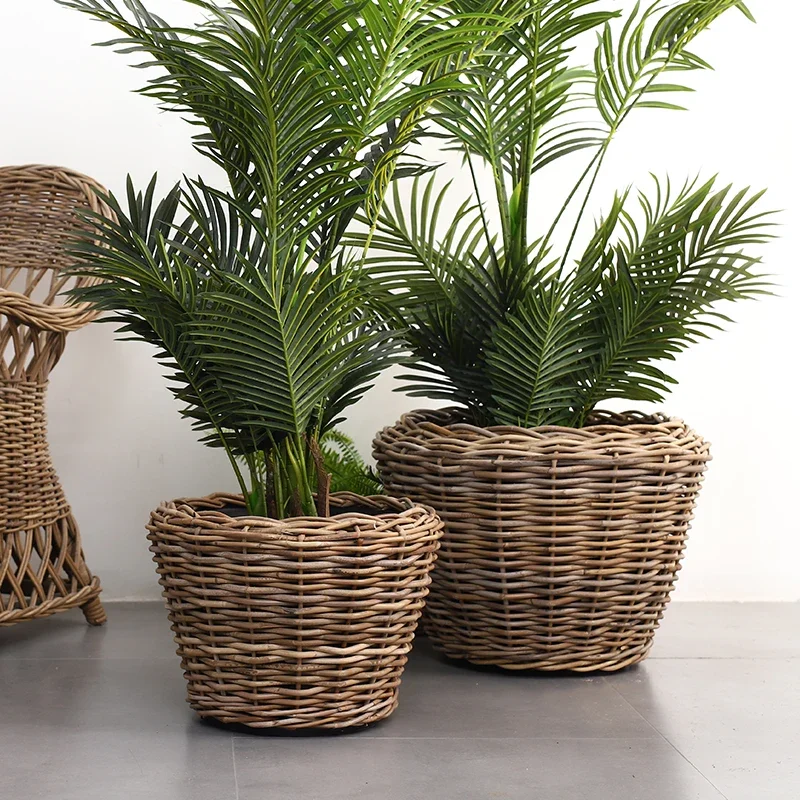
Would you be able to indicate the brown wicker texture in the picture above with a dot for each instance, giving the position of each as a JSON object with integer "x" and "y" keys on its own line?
{"x": 561, "y": 546}
{"x": 42, "y": 568}
{"x": 301, "y": 623}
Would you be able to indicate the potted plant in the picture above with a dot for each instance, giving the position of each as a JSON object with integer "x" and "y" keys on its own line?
{"x": 565, "y": 525}
{"x": 292, "y": 607}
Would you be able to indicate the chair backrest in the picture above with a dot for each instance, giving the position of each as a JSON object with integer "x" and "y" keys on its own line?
{"x": 40, "y": 211}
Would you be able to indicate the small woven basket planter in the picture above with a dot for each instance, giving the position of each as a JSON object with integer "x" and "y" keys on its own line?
{"x": 300, "y": 623}
{"x": 561, "y": 546}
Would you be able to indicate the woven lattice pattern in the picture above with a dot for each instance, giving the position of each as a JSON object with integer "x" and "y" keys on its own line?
{"x": 561, "y": 546}
{"x": 302, "y": 623}
{"x": 42, "y": 568}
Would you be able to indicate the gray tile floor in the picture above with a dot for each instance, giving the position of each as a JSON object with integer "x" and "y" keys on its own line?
{"x": 98, "y": 714}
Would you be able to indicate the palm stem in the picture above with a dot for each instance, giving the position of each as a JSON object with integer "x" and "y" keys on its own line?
{"x": 529, "y": 151}
{"x": 485, "y": 223}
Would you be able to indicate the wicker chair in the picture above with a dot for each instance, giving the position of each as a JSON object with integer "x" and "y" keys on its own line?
{"x": 42, "y": 568}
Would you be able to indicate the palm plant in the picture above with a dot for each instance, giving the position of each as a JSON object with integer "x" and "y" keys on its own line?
{"x": 257, "y": 311}
{"x": 497, "y": 321}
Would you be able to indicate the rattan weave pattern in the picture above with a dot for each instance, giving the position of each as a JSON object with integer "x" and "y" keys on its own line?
{"x": 42, "y": 568}
{"x": 300, "y": 623}
{"x": 30, "y": 494}
{"x": 561, "y": 546}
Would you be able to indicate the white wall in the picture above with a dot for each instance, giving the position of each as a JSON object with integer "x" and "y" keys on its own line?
{"x": 121, "y": 447}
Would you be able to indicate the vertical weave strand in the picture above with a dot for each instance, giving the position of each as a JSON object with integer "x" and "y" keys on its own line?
{"x": 561, "y": 546}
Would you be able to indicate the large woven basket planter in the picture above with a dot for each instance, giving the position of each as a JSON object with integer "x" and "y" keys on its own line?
{"x": 561, "y": 546}
{"x": 294, "y": 624}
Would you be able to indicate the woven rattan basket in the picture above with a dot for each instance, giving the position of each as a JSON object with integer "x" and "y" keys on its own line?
{"x": 302, "y": 623}
{"x": 561, "y": 546}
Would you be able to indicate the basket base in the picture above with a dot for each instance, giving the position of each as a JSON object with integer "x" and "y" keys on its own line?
{"x": 329, "y": 719}
{"x": 281, "y": 732}
{"x": 536, "y": 670}
{"x": 551, "y": 664}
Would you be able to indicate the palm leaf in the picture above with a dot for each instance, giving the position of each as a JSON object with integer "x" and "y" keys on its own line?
{"x": 661, "y": 292}
{"x": 538, "y": 355}
{"x": 309, "y": 107}
{"x": 493, "y": 322}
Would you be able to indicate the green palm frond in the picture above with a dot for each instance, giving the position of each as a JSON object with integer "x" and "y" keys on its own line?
{"x": 517, "y": 110}
{"x": 289, "y": 95}
{"x": 599, "y": 333}
{"x": 537, "y": 357}
{"x": 494, "y": 321}
{"x": 259, "y": 315}
{"x": 449, "y": 359}
{"x": 256, "y": 357}
{"x": 272, "y": 346}
{"x": 661, "y": 292}
{"x": 652, "y": 44}
{"x": 371, "y": 347}
{"x": 410, "y": 264}
{"x": 522, "y": 85}
{"x": 446, "y": 291}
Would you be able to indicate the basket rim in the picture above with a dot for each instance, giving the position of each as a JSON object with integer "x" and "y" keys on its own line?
{"x": 189, "y": 511}
{"x": 629, "y": 434}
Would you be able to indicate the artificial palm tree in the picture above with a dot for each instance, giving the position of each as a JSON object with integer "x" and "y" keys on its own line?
{"x": 565, "y": 526}
{"x": 257, "y": 311}
{"x": 499, "y": 321}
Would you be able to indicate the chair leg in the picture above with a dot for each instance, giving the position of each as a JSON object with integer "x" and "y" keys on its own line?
{"x": 42, "y": 566}
{"x": 94, "y": 612}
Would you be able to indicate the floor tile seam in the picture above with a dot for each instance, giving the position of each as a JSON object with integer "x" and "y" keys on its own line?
{"x": 724, "y": 658}
{"x": 694, "y": 766}
{"x": 9, "y": 659}
{"x": 235, "y": 772}
{"x": 5, "y": 658}
{"x": 243, "y": 737}
{"x": 670, "y": 743}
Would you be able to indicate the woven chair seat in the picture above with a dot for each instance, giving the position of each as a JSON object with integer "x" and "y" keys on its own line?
{"x": 42, "y": 566}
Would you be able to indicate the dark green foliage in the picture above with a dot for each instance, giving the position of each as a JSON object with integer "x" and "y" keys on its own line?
{"x": 495, "y": 321}
{"x": 260, "y": 317}
{"x": 348, "y": 471}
